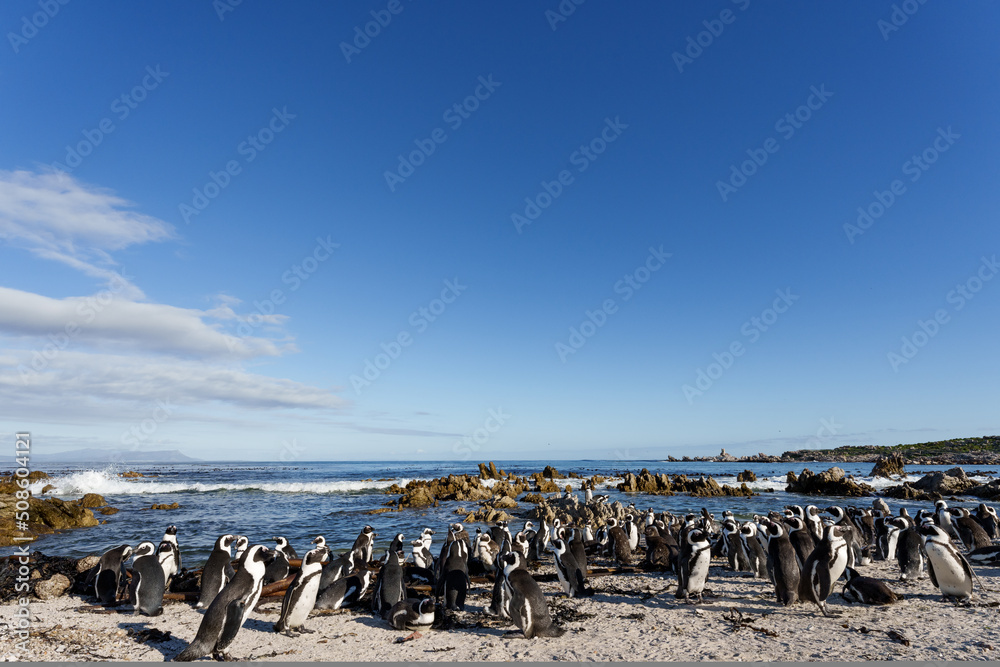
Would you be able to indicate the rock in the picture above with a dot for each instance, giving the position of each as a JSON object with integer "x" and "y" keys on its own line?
{"x": 543, "y": 485}
{"x": 595, "y": 480}
{"x": 725, "y": 457}
{"x": 107, "y": 511}
{"x": 92, "y": 500}
{"x": 381, "y": 510}
{"x": 905, "y": 491}
{"x": 503, "y": 502}
{"x": 47, "y": 488}
{"x": 418, "y": 497}
{"x": 52, "y": 587}
{"x": 534, "y": 498}
{"x": 746, "y": 476}
{"x": 831, "y": 482}
{"x": 130, "y": 474}
{"x": 888, "y": 466}
{"x": 947, "y": 483}
{"x": 163, "y": 506}
{"x": 551, "y": 473}
{"x": 87, "y": 563}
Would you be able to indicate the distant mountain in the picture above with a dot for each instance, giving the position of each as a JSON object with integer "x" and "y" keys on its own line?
{"x": 108, "y": 456}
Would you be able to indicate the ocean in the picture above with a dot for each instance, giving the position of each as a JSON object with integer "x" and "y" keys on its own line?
{"x": 302, "y": 500}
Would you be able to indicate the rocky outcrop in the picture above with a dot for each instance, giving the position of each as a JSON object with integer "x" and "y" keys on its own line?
{"x": 164, "y": 506}
{"x": 662, "y": 485}
{"x": 543, "y": 485}
{"x": 887, "y": 466}
{"x": 571, "y": 510}
{"x": 50, "y": 576}
{"x": 130, "y": 474}
{"x": 488, "y": 472}
{"x": 832, "y": 482}
{"x": 725, "y": 457}
{"x": 746, "y": 476}
{"x": 92, "y": 500}
{"x": 947, "y": 483}
{"x": 551, "y": 473}
{"x": 426, "y": 493}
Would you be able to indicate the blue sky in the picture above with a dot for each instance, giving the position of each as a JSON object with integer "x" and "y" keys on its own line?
{"x": 208, "y": 235}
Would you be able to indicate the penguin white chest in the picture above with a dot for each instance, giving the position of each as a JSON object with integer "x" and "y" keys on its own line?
{"x": 304, "y": 604}
{"x": 948, "y": 571}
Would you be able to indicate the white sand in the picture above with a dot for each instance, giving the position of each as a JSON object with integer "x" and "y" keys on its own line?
{"x": 625, "y": 627}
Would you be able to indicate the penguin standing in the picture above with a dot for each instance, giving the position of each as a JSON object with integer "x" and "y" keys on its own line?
{"x": 148, "y": 583}
{"x": 213, "y": 576}
{"x": 526, "y": 604}
{"x": 412, "y": 614}
{"x": 987, "y": 518}
{"x": 300, "y": 597}
{"x": 823, "y": 567}
{"x": 242, "y": 544}
{"x": 485, "y": 549}
{"x": 455, "y": 583}
{"x": 949, "y": 570}
{"x": 396, "y": 544}
{"x": 659, "y": 555}
{"x": 111, "y": 574}
{"x": 695, "y": 557}
{"x": 366, "y": 543}
{"x": 340, "y": 567}
{"x": 423, "y": 557}
{"x": 867, "y": 590}
{"x": 230, "y": 608}
{"x": 539, "y": 545}
{"x": 169, "y": 554}
{"x": 970, "y": 532}
{"x": 910, "y": 554}
{"x": 284, "y": 547}
{"x": 756, "y": 557}
{"x": 572, "y": 577}
{"x": 784, "y": 568}
{"x": 801, "y": 539}
{"x": 389, "y": 588}
{"x": 277, "y": 568}
{"x": 619, "y": 542}
{"x": 739, "y": 560}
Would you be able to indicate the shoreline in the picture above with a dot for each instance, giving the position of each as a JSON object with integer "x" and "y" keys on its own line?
{"x": 632, "y": 617}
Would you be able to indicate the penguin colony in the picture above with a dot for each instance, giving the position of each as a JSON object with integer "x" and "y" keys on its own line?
{"x": 804, "y": 554}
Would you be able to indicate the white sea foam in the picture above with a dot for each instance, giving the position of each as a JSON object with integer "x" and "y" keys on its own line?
{"x": 107, "y": 483}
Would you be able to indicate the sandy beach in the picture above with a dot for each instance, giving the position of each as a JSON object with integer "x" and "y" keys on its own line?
{"x": 630, "y": 617}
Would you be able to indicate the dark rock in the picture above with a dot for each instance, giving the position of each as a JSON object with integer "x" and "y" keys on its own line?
{"x": 92, "y": 500}
{"x": 888, "y": 466}
{"x": 830, "y": 482}
{"x": 949, "y": 482}
{"x": 551, "y": 473}
{"x": 163, "y": 506}
{"x": 746, "y": 476}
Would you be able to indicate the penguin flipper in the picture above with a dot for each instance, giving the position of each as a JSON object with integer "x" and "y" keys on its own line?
{"x": 234, "y": 620}
{"x": 930, "y": 571}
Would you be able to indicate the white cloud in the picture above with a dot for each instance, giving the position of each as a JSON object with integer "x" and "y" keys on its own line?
{"x": 105, "y": 320}
{"x": 61, "y": 219}
{"x": 110, "y": 384}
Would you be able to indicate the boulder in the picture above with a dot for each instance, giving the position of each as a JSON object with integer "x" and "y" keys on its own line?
{"x": 163, "y": 506}
{"x": 52, "y": 587}
{"x": 831, "y": 482}
{"x": 724, "y": 456}
{"x": 87, "y": 563}
{"x": 746, "y": 476}
{"x": 551, "y": 473}
{"x": 92, "y": 500}
{"x": 888, "y": 466}
{"x": 947, "y": 483}
{"x": 130, "y": 474}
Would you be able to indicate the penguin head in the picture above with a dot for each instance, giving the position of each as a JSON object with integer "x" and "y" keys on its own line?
{"x": 850, "y": 573}
{"x": 282, "y": 542}
{"x": 225, "y": 541}
{"x": 257, "y": 554}
{"x": 556, "y": 546}
{"x": 319, "y": 540}
{"x": 317, "y": 555}
{"x": 940, "y": 505}
{"x": 171, "y": 530}
{"x": 126, "y": 552}
{"x": 144, "y": 549}
{"x": 425, "y": 606}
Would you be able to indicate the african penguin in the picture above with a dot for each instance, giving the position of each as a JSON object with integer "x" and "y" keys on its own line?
{"x": 169, "y": 554}
{"x": 300, "y": 597}
{"x": 867, "y": 590}
{"x": 572, "y": 577}
{"x": 242, "y": 544}
{"x": 949, "y": 570}
{"x": 910, "y": 554}
{"x": 411, "y": 614}
{"x": 987, "y": 518}
{"x": 454, "y": 585}
{"x": 823, "y": 567}
{"x": 526, "y": 604}
{"x": 389, "y": 587}
{"x": 346, "y": 591}
{"x": 148, "y": 583}
{"x": 972, "y": 535}
{"x": 985, "y": 556}
{"x": 365, "y": 542}
{"x": 692, "y": 570}
{"x": 784, "y": 569}
{"x": 230, "y": 608}
{"x": 284, "y": 547}
{"x": 756, "y": 555}
{"x": 111, "y": 574}
{"x": 619, "y": 542}
{"x": 213, "y": 576}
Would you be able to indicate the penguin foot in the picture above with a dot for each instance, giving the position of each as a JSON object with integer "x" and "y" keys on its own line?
{"x": 307, "y": 631}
